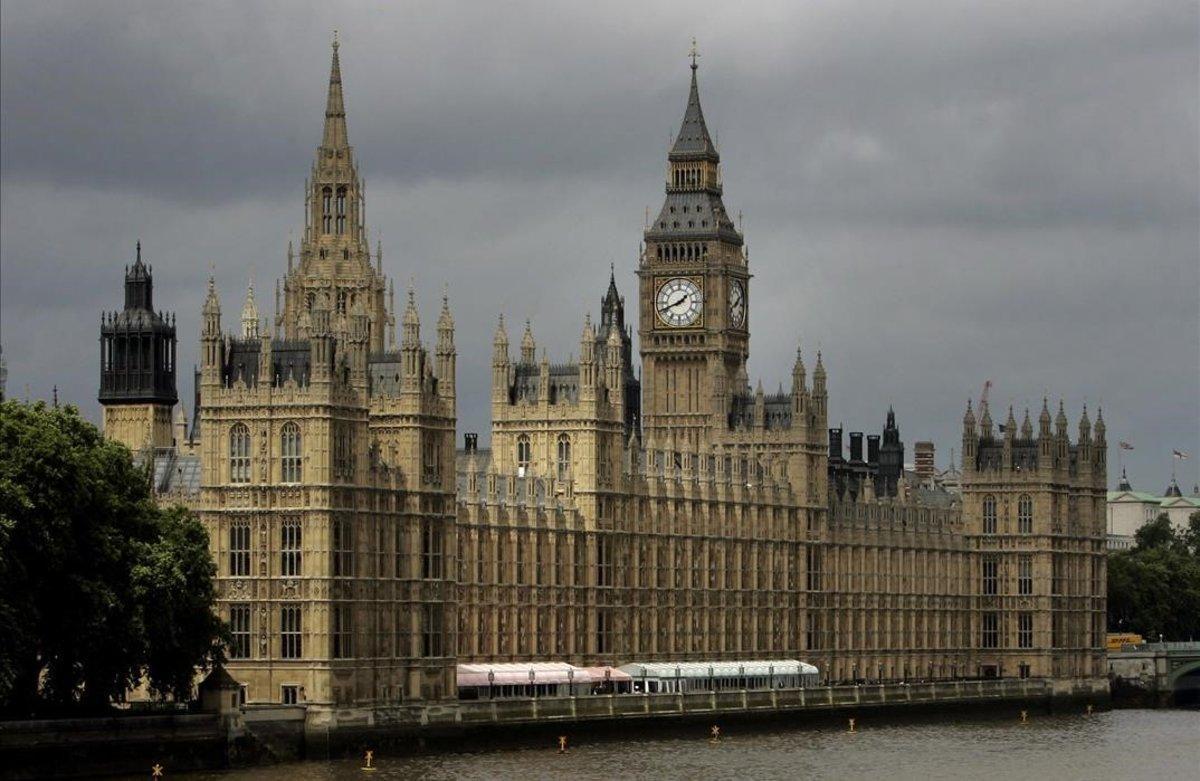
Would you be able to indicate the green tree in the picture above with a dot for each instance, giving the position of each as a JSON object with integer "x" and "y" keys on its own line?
{"x": 174, "y": 584}
{"x": 1154, "y": 588}
{"x": 1191, "y": 535}
{"x": 89, "y": 569}
{"x": 1158, "y": 533}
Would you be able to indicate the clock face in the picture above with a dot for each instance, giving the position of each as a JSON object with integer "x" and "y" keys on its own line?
{"x": 679, "y": 302}
{"x": 737, "y": 304}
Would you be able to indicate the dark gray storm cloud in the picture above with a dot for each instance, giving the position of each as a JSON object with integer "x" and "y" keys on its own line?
{"x": 934, "y": 194}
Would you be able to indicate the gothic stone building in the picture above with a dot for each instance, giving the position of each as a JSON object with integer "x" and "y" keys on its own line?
{"x": 685, "y": 516}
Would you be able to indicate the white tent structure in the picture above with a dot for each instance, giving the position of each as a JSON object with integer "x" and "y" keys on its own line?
{"x": 653, "y": 677}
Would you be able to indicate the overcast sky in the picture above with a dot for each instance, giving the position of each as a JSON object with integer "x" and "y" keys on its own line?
{"x": 934, "y": 194}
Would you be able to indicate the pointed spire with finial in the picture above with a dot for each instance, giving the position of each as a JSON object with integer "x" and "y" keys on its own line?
{"x": 250, "y": 313}
{"x": 528, "y": 346}
{"x": 445, "y": 319}
{"x": 212, "y": 304}
{"x": 693, "y": 137}
{"x": 335, "y": 135}
{"x": 411, "y": 338}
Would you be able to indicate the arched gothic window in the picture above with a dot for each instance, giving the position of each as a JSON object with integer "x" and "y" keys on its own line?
{"x": 290, "y": 454}
{"x": 989, "y": 514}
{"x": 326, "y": 209}
{"x": 564, "y": 457}
{"x": 341, "y": 210}
{"x": 239, "y": 454}
{"x": 523, "y": 454}
{"x": 1025, "y": 514}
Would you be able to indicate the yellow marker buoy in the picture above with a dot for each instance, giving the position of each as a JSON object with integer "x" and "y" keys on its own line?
{"x": 156, "y": 771}
{"x": 562, "y": 744}
{"x": 852, "y": 725}
{"x": 715, "y": 734}
{"x": 370, "y": 756}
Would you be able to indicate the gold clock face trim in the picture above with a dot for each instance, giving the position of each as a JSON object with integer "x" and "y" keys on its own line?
{"x": 737, "y": 303}
{"x": 679, "y": 302}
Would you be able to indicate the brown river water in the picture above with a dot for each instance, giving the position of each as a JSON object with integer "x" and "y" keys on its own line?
{"x": 1122, "y": 744}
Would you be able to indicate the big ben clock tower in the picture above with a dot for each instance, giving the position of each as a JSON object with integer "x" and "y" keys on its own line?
{"x": 694, "y": 288}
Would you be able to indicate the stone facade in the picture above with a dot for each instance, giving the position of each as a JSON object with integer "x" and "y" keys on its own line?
{"x": 1033, "y": 511}
{"x": 327, "y": 469}
{"x": 688, "y": 517}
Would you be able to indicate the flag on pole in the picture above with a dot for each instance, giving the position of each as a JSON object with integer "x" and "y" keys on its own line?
{"x": 1182, "y": 456}
{"x": 1125, "y": 446}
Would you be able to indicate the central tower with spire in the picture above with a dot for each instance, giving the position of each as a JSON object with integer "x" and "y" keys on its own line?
{"x": 329, "y": 452}
{"x": 334, "y": 271}
{"x": 694, "y": 287}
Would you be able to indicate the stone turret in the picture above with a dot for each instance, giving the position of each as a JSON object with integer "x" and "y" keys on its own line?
{"x": 528, "y": 346}
{"x": 137, "y": 365}
{"x": 250, "y": 314}
{"x": 500, "y": 363}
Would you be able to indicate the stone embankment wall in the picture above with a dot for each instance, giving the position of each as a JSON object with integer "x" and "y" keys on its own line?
{"x": 132, "y": 744}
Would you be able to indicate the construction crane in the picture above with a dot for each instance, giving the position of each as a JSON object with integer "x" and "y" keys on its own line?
{"x": 983, "y": 397}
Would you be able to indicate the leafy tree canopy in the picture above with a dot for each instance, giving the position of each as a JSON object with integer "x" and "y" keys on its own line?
{"x": 1154, "y": 588}
{"x": 98, "y": 585}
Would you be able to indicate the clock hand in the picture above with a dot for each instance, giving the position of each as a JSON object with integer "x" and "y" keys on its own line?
{"x": 674, "y": 303}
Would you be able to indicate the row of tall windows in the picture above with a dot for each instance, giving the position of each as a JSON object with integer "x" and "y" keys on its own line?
{"x": 289, "y": 549}
{"x": 1025, "y": 630}
{"x": 991, "y": 572}
{"x": 329, "y": 219}
{"x": 990, "y": 630}
{"x": 239, "y": 632}
{"x": 239, "y": 454}
{"x": 432, "y": 630}
{"x": 563, "y": 456}
{"x": 343, "y": 452}
{"x": 431, "y": 458}
{"x": 1024, "y": 514}
{"x": 289, "y": 633}
{"x": 290, "y": 454}
{"x": 431, "y": 549}
{"x": 1025, "y": 575}
{"x": 239, "y": 550}
{"x": 684, "y": 251}
{"x": 343, "y": 548}
{"x": 289, "y": 449}
{"x": 524, "y": 454}
{"x": 343, "y": 631}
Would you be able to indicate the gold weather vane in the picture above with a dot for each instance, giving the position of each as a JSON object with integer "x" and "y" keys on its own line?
{"x": 694, "y": 53}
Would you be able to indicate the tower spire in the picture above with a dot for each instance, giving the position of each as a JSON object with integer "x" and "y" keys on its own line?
{"x": 693, "y": 137}
{"x": 335, "y": 136}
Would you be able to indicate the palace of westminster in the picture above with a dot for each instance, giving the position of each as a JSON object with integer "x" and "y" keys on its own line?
{"x": 679, "y": 516}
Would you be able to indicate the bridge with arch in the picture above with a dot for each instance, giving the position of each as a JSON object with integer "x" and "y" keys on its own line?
{"x": 1164, "y": 673}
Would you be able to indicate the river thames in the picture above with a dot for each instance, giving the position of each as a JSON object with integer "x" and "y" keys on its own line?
{"x": 1121, "y": 744}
